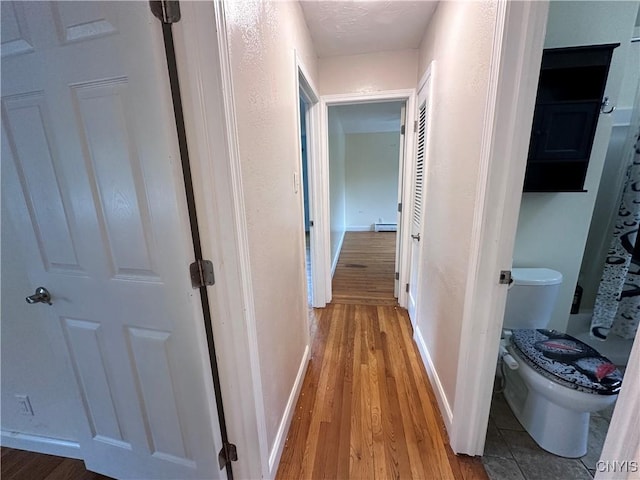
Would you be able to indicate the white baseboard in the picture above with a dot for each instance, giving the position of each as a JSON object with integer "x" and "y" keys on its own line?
{"x": 37, "y": 443}
{"x": 443, "y": 403}
{"x": 285, "y": 423}
{"x": 334, "y": 262}
{"x": 360, "y": 228}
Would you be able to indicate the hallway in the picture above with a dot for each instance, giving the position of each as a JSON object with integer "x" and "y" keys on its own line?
{"x": 366, "y": 408}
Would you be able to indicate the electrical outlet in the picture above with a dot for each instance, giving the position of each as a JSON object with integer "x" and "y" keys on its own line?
{"x": 24, "y": 405}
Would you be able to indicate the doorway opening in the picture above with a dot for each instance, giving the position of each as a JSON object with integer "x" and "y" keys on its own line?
{"x": 590, "y": 251}
{"x": 305, "y": 197}
{"x": 365, "y": 150}
{"x": 309, "y": 180}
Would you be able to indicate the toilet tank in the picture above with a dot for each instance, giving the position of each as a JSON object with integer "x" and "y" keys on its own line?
{"x": 531, "y": 297}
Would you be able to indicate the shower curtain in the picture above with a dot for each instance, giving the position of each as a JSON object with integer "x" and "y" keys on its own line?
{"x": 617, "y": 308}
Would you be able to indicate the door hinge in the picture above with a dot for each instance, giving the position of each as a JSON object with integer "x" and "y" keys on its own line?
{"x": 415, "y": 125}
{"x": 228, "y": 454}
{"x": 505, "y": 277}
{"x": 400, "y": 207}
{"x": 201, "y": 272}
{"x": 406, "y": 288}
{"x": 311, "y": 223}
{"x": 168, "y": 11}
{"x": 402, "y": 129}
{"x": 397, "y": 275}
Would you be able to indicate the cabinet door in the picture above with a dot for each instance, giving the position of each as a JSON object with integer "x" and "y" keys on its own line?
{"x": 564, "y": 131}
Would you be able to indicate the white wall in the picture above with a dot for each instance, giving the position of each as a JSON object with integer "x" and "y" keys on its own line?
{"x": 459, "y": 38}
{"x": 369, "y": 72}
{"x": 632, "y": 67}
{"x": 553, "y": 227}
{"x": 372, "y": 163}
{"x": 262, "y": 39}
{"x": 337, "y": 172}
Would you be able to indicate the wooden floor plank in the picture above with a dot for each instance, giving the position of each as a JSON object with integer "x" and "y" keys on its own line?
{"x": 356, "y": 465}
{"x": 39, "y": 467}
{"x": 373, "y": 412}
{"x": 384, "y": 406}
{"x": 12, "y": 461}
{"x": 71, "y": 469}
{"x": 319, "y": 407}
{"x": 24, "y": 465}
{"x": 379, "y": 450}
{"x": 365, "y": 271}
{"x": 344, "y": 443}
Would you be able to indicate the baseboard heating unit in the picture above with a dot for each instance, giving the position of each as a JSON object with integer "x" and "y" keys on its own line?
{"x": 385, "y": 227}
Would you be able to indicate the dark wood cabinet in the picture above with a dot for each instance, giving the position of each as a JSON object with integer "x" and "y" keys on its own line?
{"x": 570, "y": 91}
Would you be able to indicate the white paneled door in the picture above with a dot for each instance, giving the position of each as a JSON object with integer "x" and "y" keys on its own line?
{"x": 92, "y": 178}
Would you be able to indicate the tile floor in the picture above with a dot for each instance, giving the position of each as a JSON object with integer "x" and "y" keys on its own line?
{"x": 511, "y": 454}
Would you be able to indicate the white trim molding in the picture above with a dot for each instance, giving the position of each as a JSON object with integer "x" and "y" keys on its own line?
{"x": 515, "y": 63}
{"x": 436, "y": 383}
{"x": 323, "y": 198}
{"x": 204, "y": 68}
{"x": 319, "y": 251}
{"x": 40, "y": 444}
{"x": 289, "y": 411}
{"x": 334, "y": 261}
{"x": 409, "y": 96}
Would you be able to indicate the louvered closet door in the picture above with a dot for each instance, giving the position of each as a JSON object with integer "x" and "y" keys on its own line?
{"x": 417, "y": 207}
{"x": 92, "y": 180}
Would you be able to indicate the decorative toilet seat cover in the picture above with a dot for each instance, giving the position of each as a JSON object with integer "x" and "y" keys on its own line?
{"x": 568, "y": 361}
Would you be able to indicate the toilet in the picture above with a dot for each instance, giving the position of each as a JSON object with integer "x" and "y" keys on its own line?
{"x": 552, "y": 381}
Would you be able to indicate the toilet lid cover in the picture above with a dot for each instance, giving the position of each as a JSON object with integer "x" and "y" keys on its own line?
{"x": 566, "y": 360}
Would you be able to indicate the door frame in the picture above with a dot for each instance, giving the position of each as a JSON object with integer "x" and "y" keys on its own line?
{"x": 210, "y": 122}
{"x": 404, "y": 121}
{"x": 426, "y": 84}
{"x": 517, "y": 51}
{"x": 402, "y": 236}
{"x": 315, "y": 176}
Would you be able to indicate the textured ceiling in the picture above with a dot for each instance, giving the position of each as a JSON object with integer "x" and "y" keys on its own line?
{"x": 353, "y": 27}
{"x": 369, "y": 117}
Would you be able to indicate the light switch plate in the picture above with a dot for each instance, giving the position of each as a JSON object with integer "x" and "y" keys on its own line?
{"x": 296, "y": 182}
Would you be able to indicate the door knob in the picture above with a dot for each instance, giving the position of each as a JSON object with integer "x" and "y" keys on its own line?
{"x": 416, "y": 237}
{"x": 42, "y": 295}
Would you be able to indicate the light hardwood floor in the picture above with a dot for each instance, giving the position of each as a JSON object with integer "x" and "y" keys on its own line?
{"x": 22, "y": 465}
{"x": 366, "y": 269}
{"x": 366, "y": 410}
